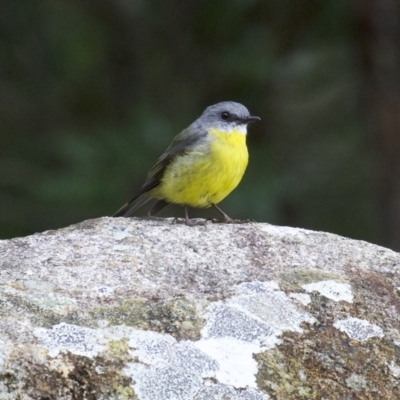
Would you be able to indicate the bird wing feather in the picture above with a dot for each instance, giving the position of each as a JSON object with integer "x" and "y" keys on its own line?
{"x": 182, "y": 143}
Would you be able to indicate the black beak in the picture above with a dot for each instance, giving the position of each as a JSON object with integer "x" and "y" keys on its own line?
{"x": 247, "y": 120}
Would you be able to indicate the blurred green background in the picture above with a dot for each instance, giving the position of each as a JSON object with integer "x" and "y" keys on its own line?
{"x": 91, "y": 93}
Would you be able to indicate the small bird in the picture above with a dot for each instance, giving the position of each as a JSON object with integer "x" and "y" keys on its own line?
{"x": 203, "y": 164}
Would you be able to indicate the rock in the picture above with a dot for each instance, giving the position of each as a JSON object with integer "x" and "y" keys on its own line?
{"x": 120, "y": 308}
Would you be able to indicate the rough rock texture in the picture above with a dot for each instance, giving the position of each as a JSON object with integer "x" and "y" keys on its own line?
{"x": 156, "y": 310}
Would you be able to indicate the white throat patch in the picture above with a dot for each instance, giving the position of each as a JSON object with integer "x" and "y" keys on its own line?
{"x": 241, "y": 129}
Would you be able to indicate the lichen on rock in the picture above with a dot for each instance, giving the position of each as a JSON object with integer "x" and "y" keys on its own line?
{"x": 150, "y": 309}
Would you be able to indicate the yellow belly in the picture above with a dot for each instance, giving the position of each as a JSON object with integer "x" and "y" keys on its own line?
{"x": 206, "y": 175}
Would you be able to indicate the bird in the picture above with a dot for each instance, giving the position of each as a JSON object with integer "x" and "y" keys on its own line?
{"x": 202, "y": 165}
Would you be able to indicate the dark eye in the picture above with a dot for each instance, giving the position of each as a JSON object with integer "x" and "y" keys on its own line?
{"x": 225, "y": 115}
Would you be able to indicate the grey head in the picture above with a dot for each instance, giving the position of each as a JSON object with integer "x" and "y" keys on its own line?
{"x": 225, "y": 116}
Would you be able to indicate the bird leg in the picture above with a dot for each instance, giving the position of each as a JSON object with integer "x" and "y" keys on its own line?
{"x": 226, "y": 218}
{"x": 188, "y": 222}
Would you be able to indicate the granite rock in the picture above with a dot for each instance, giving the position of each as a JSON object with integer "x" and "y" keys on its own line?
{"x": 119, "y": 308}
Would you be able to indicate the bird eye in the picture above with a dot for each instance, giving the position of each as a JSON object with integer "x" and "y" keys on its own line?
{"x": 225, "y": 115}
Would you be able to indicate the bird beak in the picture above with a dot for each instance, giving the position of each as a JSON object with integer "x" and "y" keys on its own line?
{"x": 250, "y": 119}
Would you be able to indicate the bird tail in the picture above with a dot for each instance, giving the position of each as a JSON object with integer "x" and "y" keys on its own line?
{"x": 131, "y": 206}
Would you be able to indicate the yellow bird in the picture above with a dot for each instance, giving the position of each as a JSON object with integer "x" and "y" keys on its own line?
{"x": 203, "y": 164}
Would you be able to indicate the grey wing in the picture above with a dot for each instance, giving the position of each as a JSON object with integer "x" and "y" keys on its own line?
{"x": 181, "y": 144}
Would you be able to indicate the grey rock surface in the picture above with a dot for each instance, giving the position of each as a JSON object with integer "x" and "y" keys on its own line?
{"x": 156, "y": 310}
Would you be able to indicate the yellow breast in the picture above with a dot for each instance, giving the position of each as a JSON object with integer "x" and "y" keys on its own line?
{"x": 230, "y": 152}
{"x": 206, "y": 174}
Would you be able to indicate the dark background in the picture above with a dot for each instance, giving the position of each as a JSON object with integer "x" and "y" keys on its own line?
{"x": 91, "y": 93}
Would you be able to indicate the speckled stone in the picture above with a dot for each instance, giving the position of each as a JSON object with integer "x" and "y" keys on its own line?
{"x": 118, "y": 308}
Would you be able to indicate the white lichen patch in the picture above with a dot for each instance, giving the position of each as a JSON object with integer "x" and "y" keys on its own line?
{"x": 356, "y": 382}
{"x": 235, "y": 330}
{"x": 258, "y": 314}
{"x": 226, "y": 321}
{"x": 212, "y": 391}
{"x": 358, "y": 329}
{"x": 187, "y": 356}
{"x": 302, "y": 375}
{"x": 65, "y": 337}
{"x": 245, "y": 324}
{"x": 151, "y": 347}
{"x": 218, "y": 365}
{"x": 168, "y": 369}
{"x": 169, "y": 382}
{"x": 236, "y": 365}
{"x": 302, "y": 298}
{"x": 163, "y": 382}
{"x": 331, "y": 289}
{"x": 394, "y": 369}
